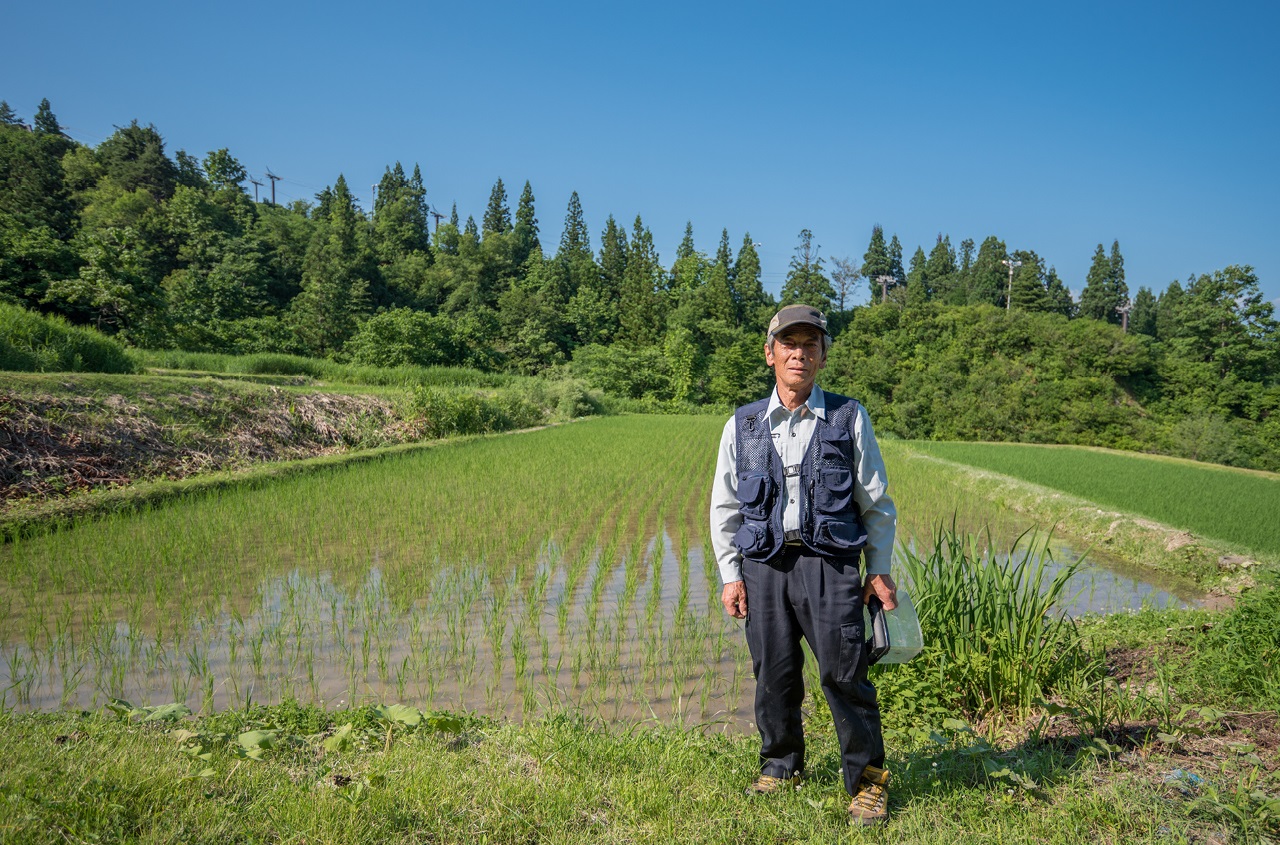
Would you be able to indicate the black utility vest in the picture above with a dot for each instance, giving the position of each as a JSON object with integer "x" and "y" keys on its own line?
{"x": 830, "y": 523}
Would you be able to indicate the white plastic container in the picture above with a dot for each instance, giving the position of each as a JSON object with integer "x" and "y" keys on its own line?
{"x": 903, "y": 627}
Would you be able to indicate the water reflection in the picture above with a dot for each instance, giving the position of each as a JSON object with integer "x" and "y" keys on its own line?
{"x": 640, "y": 637}
{"x": 1098, "y": 588}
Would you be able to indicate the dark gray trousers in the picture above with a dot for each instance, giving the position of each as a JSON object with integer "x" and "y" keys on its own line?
{"x": 820, "y": 598}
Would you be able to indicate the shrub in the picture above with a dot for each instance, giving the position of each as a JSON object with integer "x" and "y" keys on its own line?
{"x": 403, "y": 336}
{"x": 443, "y": 413}
{"x": 32, "y": 342}
{"x": 622, "y": 372}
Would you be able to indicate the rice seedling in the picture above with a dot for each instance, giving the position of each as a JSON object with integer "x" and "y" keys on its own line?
{"x": 505, "y": 574}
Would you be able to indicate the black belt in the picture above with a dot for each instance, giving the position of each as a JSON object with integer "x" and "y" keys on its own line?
{"x": 792, "y": 538}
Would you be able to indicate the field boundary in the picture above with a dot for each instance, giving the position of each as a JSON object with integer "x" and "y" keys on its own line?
{"x": 1219, "y": 567}
{"x": 55, "y": 515}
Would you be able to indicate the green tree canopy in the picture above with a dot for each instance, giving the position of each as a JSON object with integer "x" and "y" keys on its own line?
{"x": 526, "y": 225}
{"x": 134, "y": 158}
{"x": 223, "y": 171}
{"x": 1104, "y": 288}
{"x": 575, "y": 240}
{"x": 337, "y": 275}
{"x": 46, "y": 122}
{"x": 640, "y": 308}
{"x": 805, "y": 281}
{"x": 497, "y": 215}
{"x": 875, "y": 264}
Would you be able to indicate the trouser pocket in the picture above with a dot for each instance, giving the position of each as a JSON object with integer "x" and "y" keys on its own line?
{"x": 852, "y": 653}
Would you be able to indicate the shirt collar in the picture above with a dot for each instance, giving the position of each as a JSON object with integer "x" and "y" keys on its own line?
{"x": 816, "y": 403}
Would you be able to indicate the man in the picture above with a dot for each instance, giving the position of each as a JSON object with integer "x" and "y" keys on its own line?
{"x": 799, "y": 495}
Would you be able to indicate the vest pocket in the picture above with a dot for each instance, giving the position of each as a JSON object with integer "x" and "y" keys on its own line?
{"x": 841, "y": 537}
{"x": 751, "y": 539}
{"x": 834, "y": 493}
{"x": 835, "y": 446}
{"x": 753, "y": 495}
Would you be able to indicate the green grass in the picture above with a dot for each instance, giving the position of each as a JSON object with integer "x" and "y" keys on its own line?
{"x": 1233, "y": 506}
{"x": 33, "y": 342}
{"x": 323, "y": 369}
{"x": 285, "y": 774}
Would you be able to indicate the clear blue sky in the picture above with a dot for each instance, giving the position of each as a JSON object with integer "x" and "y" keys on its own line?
{"x": 1052, "y": 126}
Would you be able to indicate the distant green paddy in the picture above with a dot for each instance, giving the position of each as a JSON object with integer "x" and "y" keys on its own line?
{"x": 1238, "y": 507}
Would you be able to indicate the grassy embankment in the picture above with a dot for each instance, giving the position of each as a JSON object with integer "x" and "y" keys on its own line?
{"x": 1203, "y": 522}
{"x": 78, "y": 444}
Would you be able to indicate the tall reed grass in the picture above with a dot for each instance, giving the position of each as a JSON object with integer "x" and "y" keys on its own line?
{"x": 995, "y": 630}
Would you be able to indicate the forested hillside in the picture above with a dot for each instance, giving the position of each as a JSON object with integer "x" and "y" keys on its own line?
{"x": 979, "y": 342}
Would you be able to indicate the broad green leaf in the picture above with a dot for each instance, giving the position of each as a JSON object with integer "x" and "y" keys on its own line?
{"x": 402, "y": 713}
{"x": 121, "y": 707}
{"x": 257, "y": 740}
{"x": 445, "y": 723}
{"x": 341, "y": 739}
{"x": 167, "y": 713}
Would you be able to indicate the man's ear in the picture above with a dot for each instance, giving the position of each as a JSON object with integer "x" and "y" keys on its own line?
{"x": 768, "y": 355}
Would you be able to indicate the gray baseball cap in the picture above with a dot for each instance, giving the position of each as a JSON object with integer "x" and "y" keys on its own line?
{"x": 798, "y": 315}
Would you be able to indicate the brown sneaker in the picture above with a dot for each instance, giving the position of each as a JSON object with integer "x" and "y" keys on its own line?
{"x": 768, "y": 784}
{"x": 871, "y": 803}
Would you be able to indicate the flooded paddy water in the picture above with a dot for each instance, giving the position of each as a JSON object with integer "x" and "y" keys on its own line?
{"x": 566, "y": 568}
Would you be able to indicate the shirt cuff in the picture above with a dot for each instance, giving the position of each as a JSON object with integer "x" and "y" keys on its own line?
{"x": 877, "y": 567}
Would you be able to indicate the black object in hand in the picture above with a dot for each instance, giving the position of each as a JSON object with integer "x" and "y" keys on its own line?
{"x": 878, "y": 642}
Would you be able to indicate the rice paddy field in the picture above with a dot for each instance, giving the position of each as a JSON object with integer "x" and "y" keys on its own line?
{"x": 512, "y": 575}
{"x": 1237, "y": 507}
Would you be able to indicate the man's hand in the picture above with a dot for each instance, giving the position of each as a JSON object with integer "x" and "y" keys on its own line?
{"x": 882, "y": 586}
{"x": 734, "y": 599}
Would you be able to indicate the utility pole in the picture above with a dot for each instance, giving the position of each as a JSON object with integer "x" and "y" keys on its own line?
{"x": 256, "y": 186}
{"x": 437, "y": 215}
{"x": 884, "y": 282}
{"x": 274, "y": 178}
{"x": 1124, "y": 308}
{"x": 1012, "y": 265}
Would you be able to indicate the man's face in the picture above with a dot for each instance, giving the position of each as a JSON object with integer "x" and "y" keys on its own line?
{"x": 796, "y": 355}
